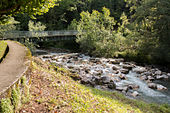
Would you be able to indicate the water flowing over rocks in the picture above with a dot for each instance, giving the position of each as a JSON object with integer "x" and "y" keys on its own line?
{"x": 110, "y": 73}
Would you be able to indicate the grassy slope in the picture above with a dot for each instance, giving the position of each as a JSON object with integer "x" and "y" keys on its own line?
{"x": 56, "y": 92}
{"x": 3, "y": 46}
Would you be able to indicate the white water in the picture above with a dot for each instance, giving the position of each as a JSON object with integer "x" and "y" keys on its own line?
{"x": 146, "y": 93}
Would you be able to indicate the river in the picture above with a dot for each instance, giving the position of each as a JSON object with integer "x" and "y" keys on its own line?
{"x": 146, "y": 83}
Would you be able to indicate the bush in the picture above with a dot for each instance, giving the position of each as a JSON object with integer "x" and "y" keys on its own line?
{"x": 5, "y": 106}
{"x": 99, "y": 34}
{"x": 16, "y": 97}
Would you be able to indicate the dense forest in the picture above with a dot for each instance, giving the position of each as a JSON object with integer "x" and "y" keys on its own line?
{"x": 134, "y": 29}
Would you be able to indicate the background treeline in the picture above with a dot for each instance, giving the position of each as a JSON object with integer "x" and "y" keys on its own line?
{"x": 135, "y": 29}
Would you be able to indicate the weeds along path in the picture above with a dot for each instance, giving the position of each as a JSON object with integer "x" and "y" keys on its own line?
{"x": 12, "y": 66}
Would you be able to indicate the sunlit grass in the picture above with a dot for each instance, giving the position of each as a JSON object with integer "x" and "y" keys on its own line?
{"x": 83, "y": 99}
{"x": 3, "y": 46}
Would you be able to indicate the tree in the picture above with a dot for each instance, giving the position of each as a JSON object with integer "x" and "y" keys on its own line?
{"x": 32, "y": 7}
{"x": 98, "y": 36}
{"x": 152, "y": 21}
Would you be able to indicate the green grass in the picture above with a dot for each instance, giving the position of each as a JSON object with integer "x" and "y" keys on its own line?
{"x": 3, "y": 47}
{"x": 83, "y": 99}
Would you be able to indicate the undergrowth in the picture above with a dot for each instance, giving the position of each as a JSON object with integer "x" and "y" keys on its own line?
{"x": 3, "y": 47}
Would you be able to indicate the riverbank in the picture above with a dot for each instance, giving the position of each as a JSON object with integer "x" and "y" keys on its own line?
{"x": 53, "y": 90}
{"x": 132, "y": 80}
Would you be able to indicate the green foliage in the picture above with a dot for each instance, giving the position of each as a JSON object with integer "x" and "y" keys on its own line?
{"x": 152, "y": 23}
{"x": 98, "y": 36}
{"x": 16, "y": 98}
{"x": 30, "y": 45}
{"x": 6, "y": 106}
{"x": 32, "y": 7}
{"x": 3, "y": 47}
{"x": 36, "y": 26}
{"x": 26, "y": 93}
{"x": 9, "y": 26}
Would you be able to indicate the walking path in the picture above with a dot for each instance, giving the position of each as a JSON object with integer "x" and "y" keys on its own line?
{"x": 12, "y": 66}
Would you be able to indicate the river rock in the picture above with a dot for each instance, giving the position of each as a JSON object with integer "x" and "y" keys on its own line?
{"x": 70, "y": 67}
{"x": 152, "y": 85}
{"x": 112, "y": 86}
{"x": 147, "y": 73}
{"x": 161, "y": 87}
{"x": 158, "y": 77}
{"x": 151, "y": 78}
{"x": 69, "y": 61}
{"x": 114, "y": 67}
{"x": 122, "y": 88}
{"x": 139, "y": 70}
{"x": 133, "y": 86}
{"x": 87, "y": 79}
{"x": 87, "y": 70}
{"x": 115, "y": 61}
{"x": 168, "y": 74}
{"x": 129, "y": 67}
{"x": 144, "y": 77}
{"x": 46, "y": 56}
{"x": 106, "y": 80}
{"x": 158, "y": 72}
{"x": 122, "y": 76}
{"x": 135, "y": 93}
{"x": 124, "y": 71}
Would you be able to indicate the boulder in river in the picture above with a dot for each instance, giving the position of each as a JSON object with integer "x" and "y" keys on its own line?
{"x": 124, "y": 71}
{"x": 111, "y": 86}
{"x": 122, "y": 88}
{"x": 135, "y": 93}
{"x": 158, "y": 72}
{"x": 144, "y": 77}
{"x": 116, "y": 61}
{"x": 152, "y": 85}
{"x": 161, "y": 87}
{"x": 139, "y": 70}
{"x": 151, "y": 78}
{"x": 126, "y": 66}
{"x": 115, "y": 67}
{"x": 122, "y": 76}
{"x": 133, "y": 86}
{"x": 158, "y": 77}
{"x": 156, "y": 86}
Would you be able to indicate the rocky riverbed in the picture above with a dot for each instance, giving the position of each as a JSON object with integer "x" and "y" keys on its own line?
{"x": 134, "y": 81}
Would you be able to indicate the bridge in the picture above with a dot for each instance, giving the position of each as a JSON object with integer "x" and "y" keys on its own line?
{"x": 38, "y": 36}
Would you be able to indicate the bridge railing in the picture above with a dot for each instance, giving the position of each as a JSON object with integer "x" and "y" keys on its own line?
{"x": 32, "y": 34}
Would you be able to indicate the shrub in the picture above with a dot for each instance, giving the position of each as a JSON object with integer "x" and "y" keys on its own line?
{"x": 5, "y": 106}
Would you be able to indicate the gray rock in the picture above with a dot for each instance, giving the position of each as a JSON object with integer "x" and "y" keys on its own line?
{"x": 139, "y": 70}
{"x": 114, "y": 67}
{"x": 127, "y": 66}
{"x": 144, "y": 77}
{"x": 133, "y": 86}
{"x": 151, "y": 78}
{"x": 147, "y": 73}
{"x": 152, "y": 85}
{"x": 124, "y": 71}
{"x": 116, "y": 61}
{"x": 122, "y": 88}
{"x": 135, "y": 93}
{"x": 122, "y": 76}
{"x": 112, "y": 86}
{"x": 158, "y": 77}
{"x": 106, "y": 80}
{"x": 161, "y": 87}
{"x": 168, "y": 74}
{"x": 158, "y": 72}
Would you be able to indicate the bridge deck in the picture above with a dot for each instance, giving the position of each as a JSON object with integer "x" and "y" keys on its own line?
{"x": 32, "y": 34}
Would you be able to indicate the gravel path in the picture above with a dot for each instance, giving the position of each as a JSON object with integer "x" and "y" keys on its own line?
{"x": 12, "y": 66}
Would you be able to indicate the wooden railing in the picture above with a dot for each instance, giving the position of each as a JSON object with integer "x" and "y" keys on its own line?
{"x": 32, "y": 34}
